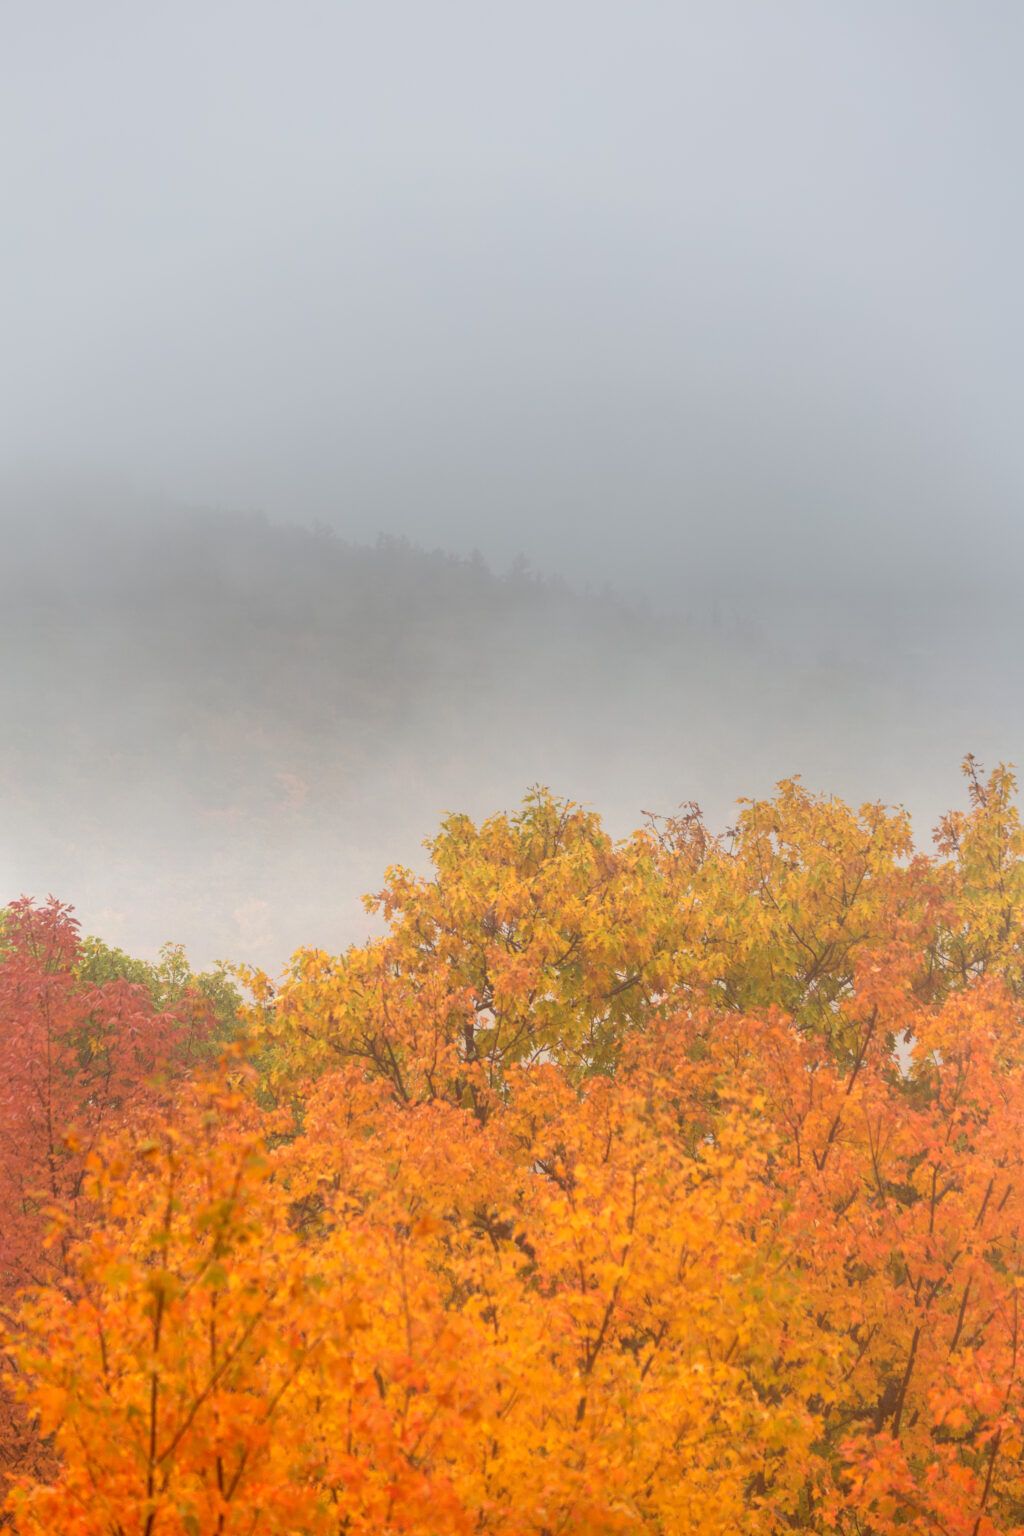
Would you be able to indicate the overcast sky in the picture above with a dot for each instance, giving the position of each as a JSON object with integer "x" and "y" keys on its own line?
{"x": 664, "y": 293}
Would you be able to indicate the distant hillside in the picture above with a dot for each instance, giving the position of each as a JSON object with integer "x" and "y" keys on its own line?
{"x": 220, "y": 730}
{"x": 248, "y": 667}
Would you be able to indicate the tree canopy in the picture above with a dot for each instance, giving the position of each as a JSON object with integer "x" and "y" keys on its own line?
{"x": 671, "y": 1184}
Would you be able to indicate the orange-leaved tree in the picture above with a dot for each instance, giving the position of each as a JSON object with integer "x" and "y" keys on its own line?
{"x": 404, "y": 1319}
{"x": 594, "y": 1196}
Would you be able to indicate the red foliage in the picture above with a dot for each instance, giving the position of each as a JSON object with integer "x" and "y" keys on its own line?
{"x": 76, "y": 1060}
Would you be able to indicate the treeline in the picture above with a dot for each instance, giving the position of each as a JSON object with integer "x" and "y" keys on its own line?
{"x": 190, "y": 620}
{"x": 207, "y": 714}
{"x": 673, "y": 1183}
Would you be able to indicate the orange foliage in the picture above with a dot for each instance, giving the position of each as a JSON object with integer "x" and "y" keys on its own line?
{"x": 670, "y": 1185}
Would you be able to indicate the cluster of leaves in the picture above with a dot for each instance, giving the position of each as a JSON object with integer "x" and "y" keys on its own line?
{"x": 674, "y": 1184}
{"x": 209, "y": 998}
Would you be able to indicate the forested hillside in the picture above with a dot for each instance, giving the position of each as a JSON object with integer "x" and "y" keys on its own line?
{"x": 201, "y": 711}
{"x": 219, "y": 730}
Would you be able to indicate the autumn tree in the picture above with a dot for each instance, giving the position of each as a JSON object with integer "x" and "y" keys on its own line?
{"x": 78, "y": 1057}
{"x": 984, "y": 871}
{"x": 593, "y": 1197}
{"x": 539, "y": 938}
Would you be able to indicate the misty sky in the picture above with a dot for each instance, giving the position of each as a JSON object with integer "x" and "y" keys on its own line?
{"x": 670, "y": 294}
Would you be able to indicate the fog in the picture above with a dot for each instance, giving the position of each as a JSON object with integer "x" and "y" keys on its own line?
{"x": 709, "y": 312}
